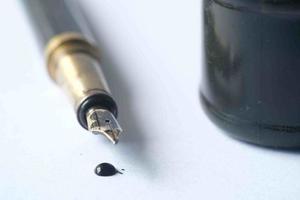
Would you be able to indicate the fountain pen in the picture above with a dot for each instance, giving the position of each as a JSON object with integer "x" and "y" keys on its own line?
{"x": 73, "y": 63}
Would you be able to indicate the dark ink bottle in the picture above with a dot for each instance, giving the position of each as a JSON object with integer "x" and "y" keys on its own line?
{"x": 251, "y": 77}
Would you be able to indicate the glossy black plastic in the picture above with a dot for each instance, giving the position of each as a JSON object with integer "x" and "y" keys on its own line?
{"x": 251, "y": 77}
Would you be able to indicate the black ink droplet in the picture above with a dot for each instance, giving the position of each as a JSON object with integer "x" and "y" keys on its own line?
{"x": 106, "y": 169}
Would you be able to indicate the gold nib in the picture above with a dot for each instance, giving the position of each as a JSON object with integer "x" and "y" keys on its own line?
{"x": 103, "y": 122}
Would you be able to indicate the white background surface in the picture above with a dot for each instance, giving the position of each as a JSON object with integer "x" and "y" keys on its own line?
{"x": 152, "y": 60}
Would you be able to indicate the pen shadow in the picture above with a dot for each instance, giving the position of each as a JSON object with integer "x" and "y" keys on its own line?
{"x": 132, "y": 143}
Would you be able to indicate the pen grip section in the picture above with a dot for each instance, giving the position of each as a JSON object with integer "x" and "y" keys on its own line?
{"x": 73, "y": 63}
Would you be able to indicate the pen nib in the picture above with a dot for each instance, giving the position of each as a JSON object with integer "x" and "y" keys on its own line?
{"x": 103, "y": 122}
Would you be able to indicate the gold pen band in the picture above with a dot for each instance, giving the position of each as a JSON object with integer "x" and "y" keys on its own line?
{"x": 73, "y": 63}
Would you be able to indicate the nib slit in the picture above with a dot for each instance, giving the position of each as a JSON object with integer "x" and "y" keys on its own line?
{"x": 103, "y": 122}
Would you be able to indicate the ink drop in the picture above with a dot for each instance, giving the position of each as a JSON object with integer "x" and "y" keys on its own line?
{"x": 106, "y": 169}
